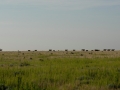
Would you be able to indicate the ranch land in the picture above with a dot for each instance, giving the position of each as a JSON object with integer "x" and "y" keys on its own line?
{"x": 60, "y": 70}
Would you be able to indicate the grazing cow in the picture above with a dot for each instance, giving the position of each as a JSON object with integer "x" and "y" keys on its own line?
{"x": 112, "y": 49}
{"x": 54, "y": 50}
{"x": 66, "y": 49}
{"x": 28, "y": 50}
{"x": 50, "y": 49}
{"x": 108, "y": 49}
{"x": 35, "y": 50}
{"x": 73, "y": 49}
{"x": 97, "y": 50}
{"x": 0, "y": 49}
{"x": 83, "y": 49}
{"x": 104, "y": 49}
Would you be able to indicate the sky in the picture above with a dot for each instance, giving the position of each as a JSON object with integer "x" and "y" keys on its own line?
{"x": 59, "y": 24}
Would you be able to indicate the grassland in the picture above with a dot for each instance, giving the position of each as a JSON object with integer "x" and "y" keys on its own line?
{"x": 60, "y": 70}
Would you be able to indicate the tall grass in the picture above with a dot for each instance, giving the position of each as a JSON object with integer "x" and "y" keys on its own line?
{"x": 59, "y": 71}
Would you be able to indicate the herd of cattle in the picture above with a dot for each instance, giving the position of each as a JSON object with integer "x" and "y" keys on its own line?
{"x": 81, "y": 50}
{"x": 99, "y": 50}
{"x": 88, "y": 50}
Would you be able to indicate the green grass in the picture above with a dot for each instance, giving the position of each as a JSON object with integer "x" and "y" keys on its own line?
{"x": 59, "y": 71}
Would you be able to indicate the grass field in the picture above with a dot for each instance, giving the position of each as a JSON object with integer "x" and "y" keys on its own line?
{"x": 60, "y": 70}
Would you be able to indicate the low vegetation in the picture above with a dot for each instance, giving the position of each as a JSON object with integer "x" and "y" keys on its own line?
{"x": 61, "y": 70}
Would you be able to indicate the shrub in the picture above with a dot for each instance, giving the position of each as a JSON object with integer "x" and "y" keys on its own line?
{"x": 24, "y": 64}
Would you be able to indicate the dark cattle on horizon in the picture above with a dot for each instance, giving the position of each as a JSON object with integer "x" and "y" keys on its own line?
{"x": 108, "y": 49}
{"x": 104, "y": 49}
{"x": 66, "y": 49}
{"x": 73, "y": 49}
{"x": 112, "y": 49}
{"x": 50, "y": 49}
{"x": 97, "y": 50}
{"x": 83, "y": 49}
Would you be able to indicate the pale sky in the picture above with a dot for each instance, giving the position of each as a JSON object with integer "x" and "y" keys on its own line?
{"x": 59, "y": 24}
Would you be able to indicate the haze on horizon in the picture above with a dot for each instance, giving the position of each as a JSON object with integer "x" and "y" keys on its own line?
{"x": 59, "y": 24}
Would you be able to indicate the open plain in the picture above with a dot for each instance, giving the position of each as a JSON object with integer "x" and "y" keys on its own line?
{"x": 59, "y": 70}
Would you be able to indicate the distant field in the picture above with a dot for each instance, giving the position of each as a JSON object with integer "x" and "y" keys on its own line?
{"x": 60, "y": 70}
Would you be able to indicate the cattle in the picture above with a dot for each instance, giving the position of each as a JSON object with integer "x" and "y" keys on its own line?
{"x": 0, "y": 49}
{"x": 66, "y": 49}
{"x": 83, "y": 49}
{"x": 108, "y": 49}
{"x": 50, "y": 49}
{"x": 97, "y": 50}
{"x": 112, "y": 49}
{"x": 104, "y": 49}
{"x": 73, "y": 49}
{"x": 29, "y": 50}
